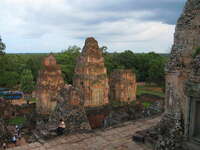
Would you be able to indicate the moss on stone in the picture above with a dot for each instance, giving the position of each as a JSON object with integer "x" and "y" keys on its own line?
{"x": 197, "y": 52}
{"x": 146, "y": 104}
{"x": 17, "y": 121}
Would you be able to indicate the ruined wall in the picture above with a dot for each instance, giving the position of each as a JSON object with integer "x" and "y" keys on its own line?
{"x": 49, "y": 83}
{"x": 186, "y": 40}
{"x": 122, "y": 86}
{"x": 69, "y": 108}
{"x": 91, "y": 75}
{"x": 179, "y": 126}
{"x": 72, "y": 95}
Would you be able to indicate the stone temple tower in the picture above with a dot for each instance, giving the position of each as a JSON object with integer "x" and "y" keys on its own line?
{"x": 182, "y": 82}
{"x": 49, "y": 83}
{"x": 186, "y": 41}
{"x": 91, "y": 75}
{"x": 122, "y": 85}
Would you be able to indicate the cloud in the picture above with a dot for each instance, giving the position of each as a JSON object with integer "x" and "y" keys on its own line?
{"x": 165, "y": 10}
{"x": 52, "y": 25}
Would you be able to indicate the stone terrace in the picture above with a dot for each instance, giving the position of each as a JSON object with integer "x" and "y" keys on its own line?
{"x": 117, "y": 138}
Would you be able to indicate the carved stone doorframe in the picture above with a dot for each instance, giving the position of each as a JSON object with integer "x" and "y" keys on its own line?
{"x": 193, "y": 100}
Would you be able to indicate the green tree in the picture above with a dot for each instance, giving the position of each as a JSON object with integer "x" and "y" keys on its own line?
{"x": 149, "y": 67}
{"x": 156, "y": 73}
{"x": 67, "y": 60}
{"x": 9, "y": 79}
{"x": 104, "y": 49}
{"x": 10, "y": 71}
{"x": 27, "y": 83}
{"x": 2, "y": 47}
{"x": 34, "y": 64}
{"x": 127, "y": 58}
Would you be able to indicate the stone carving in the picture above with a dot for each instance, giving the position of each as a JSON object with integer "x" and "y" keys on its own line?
{"x": 122, "y": 86}
{"x": 49, "y": 83}
{"x": 91, "y": 75}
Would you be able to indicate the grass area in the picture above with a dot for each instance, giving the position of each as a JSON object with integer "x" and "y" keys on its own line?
{"x": 117, "y": 103}
{"x": 147, "y": 89}
{"x": 133, "y": 102}
{"x": 146, "y": 104}
{"x": 16, "y": 121}
{"x": 197, "y": 52}
{"x": 33, "y": 100}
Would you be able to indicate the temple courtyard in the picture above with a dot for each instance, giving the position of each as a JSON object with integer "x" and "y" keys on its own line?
{"x": 115, "y": 138}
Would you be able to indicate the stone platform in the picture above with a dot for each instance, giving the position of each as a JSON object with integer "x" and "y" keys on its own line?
{"x": 116, "y": 138}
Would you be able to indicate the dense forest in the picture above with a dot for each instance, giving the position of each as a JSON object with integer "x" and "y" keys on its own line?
{"x": 15, "y": 69}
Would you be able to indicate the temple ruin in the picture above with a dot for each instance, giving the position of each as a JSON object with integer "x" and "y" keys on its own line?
{"x": 49, "y": 83}
{"x": 91, "y": 75}
{"x": 70, "y": 108}
{"x": 182, "y": 72}
{"x": 71, "y": 95}
{"x": 179, "y": 126}
{"x": 122, "y": 86}
{"x": 181, "y": 68}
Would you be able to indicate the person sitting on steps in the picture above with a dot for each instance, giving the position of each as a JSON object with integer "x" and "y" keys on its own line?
{"x": 61, "y": 127}
{"x": 4, "y": 146}
{"x": 14, "y": 140}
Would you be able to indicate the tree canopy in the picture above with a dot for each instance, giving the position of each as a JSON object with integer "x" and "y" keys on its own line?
{"x": 2, "y": 47}
{"x": 149, "y": 67}
{"x": 67, "y": 60}
{"x": 26, "y": 82}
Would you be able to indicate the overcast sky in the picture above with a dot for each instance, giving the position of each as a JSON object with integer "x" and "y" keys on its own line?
{"x": 28, "y": 26}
